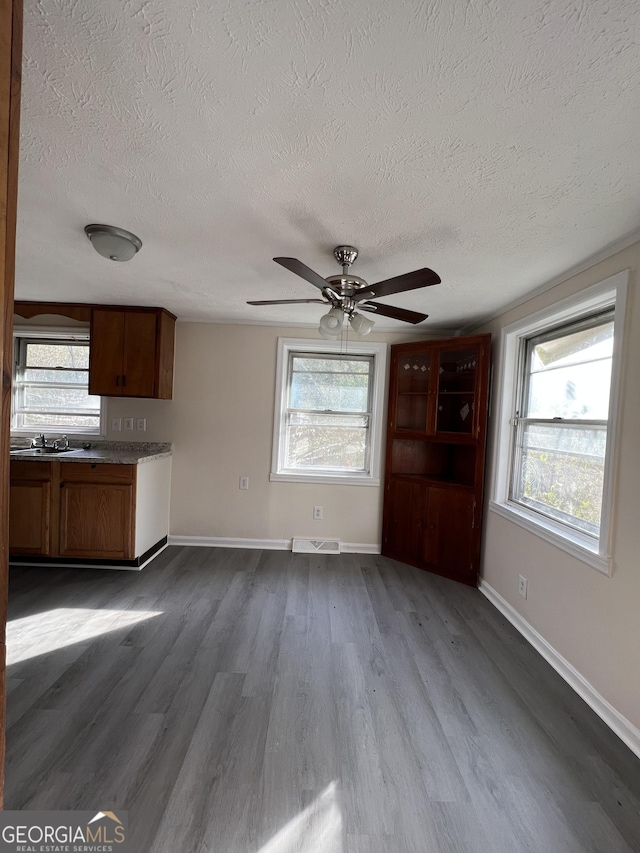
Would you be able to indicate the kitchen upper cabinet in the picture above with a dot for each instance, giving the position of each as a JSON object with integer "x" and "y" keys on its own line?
{"x": 435, "y": 454}
{"x": 131, "y": 352}
{"x": 30, "y": 515}
{"x": 97, "y": 504}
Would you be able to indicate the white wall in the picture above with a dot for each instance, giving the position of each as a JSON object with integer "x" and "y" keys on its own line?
{"x": 221, "y": 424}
{"x": 590, "y": 619}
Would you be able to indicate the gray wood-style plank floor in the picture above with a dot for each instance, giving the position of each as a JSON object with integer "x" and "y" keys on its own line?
{"x": 262, "y": 702}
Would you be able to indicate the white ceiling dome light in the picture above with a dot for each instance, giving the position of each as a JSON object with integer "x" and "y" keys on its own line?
{"x": 113, "y": 243}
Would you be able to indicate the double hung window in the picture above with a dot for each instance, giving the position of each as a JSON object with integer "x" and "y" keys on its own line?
{"x": 51, "y": 386}
{"x": 557, "y": 423}
{"x": 327, "y": 412}
{"x": 561, "y": 423}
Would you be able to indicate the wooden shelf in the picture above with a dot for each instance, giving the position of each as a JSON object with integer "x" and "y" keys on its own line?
{"x": 434, "y": 480}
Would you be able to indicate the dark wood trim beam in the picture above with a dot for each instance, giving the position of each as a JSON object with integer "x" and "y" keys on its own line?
{"x": 10, "y": 77}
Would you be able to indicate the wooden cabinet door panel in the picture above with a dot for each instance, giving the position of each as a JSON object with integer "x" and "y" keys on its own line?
{"x": 449, "y": 534}
{"x": 404, "y": 534}
{"x": 30, "y": 518}
{"x": 106, "y": 353}
{"x": 139, "y": 362}
{"x": 96, "y": 520}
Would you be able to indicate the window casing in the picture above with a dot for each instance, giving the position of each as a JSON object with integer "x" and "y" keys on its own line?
{"x": 328, "y": 410}
{"x": 557, "y": 422}
{"x": 50, "y": 385}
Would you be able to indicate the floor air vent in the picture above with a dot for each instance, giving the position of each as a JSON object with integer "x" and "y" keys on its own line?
{"x": 316, "y": 546}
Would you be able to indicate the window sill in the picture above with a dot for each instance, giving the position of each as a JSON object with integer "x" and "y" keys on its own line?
{"x": 571, "y": 544}
{"x": 330, "y": 479}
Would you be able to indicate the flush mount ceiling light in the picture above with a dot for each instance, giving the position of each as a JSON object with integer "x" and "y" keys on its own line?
{"x": 113, "y": 243}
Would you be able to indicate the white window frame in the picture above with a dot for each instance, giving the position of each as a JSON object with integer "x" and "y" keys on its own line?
{"x": 55, "y": 333}
{"x": 300, "y": 345}
{"x": 610, "y": 293}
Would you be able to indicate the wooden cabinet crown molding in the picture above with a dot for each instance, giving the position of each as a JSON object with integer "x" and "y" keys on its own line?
{"x": 73, "y": 310}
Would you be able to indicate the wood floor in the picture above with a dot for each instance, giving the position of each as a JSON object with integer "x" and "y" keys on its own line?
{"x": 263, "y": 702}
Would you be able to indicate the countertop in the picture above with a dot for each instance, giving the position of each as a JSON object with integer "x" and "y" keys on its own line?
{"x": 105, "y": 452}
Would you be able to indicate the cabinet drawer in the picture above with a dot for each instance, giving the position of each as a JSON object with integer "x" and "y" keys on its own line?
{"x": 97, "y": 472}
{"x": 26, "y": 469}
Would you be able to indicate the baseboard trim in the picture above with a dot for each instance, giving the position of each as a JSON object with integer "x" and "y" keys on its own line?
{"x": 626, "y": 731}
{"x": 263, "y": 544}
{"x": 359, "y": 548}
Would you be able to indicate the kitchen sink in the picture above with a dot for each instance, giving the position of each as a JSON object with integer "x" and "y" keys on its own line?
{"x": 39, "y": 451}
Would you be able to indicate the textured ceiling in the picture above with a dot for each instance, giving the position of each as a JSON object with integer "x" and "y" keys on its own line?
{"x": 495, "y": 141}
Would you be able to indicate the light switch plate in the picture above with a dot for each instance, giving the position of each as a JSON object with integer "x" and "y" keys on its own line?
{"x": 116, "y": 424}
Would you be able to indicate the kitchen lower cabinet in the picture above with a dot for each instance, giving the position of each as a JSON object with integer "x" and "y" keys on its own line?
{"x": 97, "y": 511}
{"x": 88, "y": 512}
{"x": 30, "y": 509}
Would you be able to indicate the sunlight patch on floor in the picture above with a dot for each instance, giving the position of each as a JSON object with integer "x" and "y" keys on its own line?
{"x": 317, "y": 829}
{"x": 46, "y": 632}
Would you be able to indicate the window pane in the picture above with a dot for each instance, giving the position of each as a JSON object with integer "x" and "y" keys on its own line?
{"x": 59, "y": 376}
{"x": 571, "y": 375}
{"x": 59, "y": 399}
{"x": 330, "y": 365}
{"x": 329, "y": 384}
{"x": 562, "y": 473}
{"x": 327, "y": 441}
{"x": 48, "y": 354}
{"x": 69, "y": 422}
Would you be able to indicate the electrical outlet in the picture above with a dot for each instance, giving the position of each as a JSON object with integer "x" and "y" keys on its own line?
{"x": 141, "y": 424}
{"x": 116, "y": 424}
{"x": 128, "y": 424}
{"x": 317, "y": 513}
{"x": 244, "y": 483}
{"x": 522, "y": 587}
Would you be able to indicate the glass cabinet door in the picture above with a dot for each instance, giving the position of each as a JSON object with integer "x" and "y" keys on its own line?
{"x": 413, "y": 374}
{"x": 457, "y": 372}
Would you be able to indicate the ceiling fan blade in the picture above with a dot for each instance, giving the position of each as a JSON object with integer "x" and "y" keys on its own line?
{"x": 409, "y": 281}
{"x": 390, "y": 311}
{"x": 286, "y": 301}
{"x": 302, "y": 270}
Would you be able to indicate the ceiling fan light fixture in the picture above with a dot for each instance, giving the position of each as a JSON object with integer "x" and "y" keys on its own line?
{"x": 113, "y": 243}
{"x": 331, "y": 323}
{"x": 360, "y": 324}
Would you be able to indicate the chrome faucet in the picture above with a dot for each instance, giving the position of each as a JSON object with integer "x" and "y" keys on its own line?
{"x": 39, "y": 441}
{"x": 61, "y": 443}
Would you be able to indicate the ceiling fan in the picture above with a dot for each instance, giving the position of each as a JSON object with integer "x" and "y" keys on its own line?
{"x": 348, "y": 295}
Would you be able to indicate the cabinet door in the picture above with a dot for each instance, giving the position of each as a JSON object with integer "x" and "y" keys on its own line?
{"x": 30, "y": 518}
{"x": 457, "y": 387}
{"x": 106, "y": 353}
{"x": 450, "y": 534}
{"x": 413, "y": 392}
{"x": 96, "y": 520}
{"x": 139, "y": 366}
{"x": 404, "y": 526}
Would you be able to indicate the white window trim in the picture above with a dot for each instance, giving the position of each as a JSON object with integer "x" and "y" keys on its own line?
{"x": 379, "y": 353}
{"x": 608, "y": 293}
{"x": 72, "y": 334}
